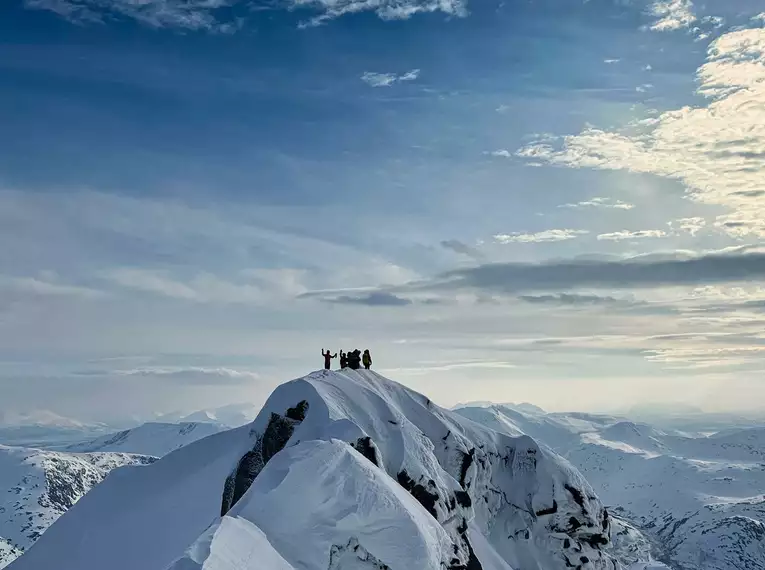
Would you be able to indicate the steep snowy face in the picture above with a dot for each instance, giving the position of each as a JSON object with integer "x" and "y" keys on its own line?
{"x": 153, "y": 438}
{"x": 37, "y": 487}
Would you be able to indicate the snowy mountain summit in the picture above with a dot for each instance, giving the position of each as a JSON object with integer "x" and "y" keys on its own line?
{"x": 339, "y": 471}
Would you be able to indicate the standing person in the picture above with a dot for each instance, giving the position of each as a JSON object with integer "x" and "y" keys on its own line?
{"x": 343, "y": 360}
{"x": 354, "y": 359}
{"x": 367, "y": 359}
{"x": 328, "y": 356}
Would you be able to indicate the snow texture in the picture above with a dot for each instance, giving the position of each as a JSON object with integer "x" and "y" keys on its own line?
{"x": 697, "y": 503}
{"x": 8, "y": 552}
{"x": 367, "y": 473}
{"x": 37, "y": 487}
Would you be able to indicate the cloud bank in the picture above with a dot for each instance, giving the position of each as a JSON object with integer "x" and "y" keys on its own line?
{"x": 624, "y": 274}
{"x": 717, "y": 151}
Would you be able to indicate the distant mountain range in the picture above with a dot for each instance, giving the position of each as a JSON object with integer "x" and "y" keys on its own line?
{"x": 685, "y": 497}
{"x": 341, "y": 471}
{"x": 700, "y": 501}
{"x": 154, "y": 438}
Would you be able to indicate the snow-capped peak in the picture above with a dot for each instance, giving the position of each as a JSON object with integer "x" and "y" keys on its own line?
{"x": 367, "y": 473}
{"x": 152, "y": 438}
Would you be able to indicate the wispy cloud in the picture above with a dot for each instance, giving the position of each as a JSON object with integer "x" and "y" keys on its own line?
{"x": 704, "y": 356}
{"x": 185, "y": 14}
{"x": 600, "y": 203}
{"x": 626, "y": 234}
{"x": 427, "y": 368}
{"x": 34, "y": 286}
{"x": 569, "y": 299}
{"x": 188, "y": 374}
{"x": 385, "y": 9}
{"x": 717, "y": 150}
{"x": 691, "y": 225}
{"x": 672, "y": 15}
{"x": 259, "y": 288}
{"x": 387, "y": 79}
{"x": 501, "y": 153}
{"x": 538, "y": 237}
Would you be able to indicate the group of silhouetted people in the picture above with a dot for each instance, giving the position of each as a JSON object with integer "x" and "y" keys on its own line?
{"x": 353, "y": 359}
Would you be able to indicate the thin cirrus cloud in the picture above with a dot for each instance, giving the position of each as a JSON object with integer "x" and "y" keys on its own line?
{"x": 216, "y": 15}
{"x": 183, "y": 374}
{"x": 374, "y": 79}
{"x": 41, "y": 287}
{"x": 600, "y": 203}
{"x": 204, "y": 287}
{"x": 569, "y": 299}
{"x": 626, "y": 234}
{"x": 715, "y": 150}
{"x": 184, "y": 14}
{"x": 384, "y": 9}
{"x": 539, "y": 237}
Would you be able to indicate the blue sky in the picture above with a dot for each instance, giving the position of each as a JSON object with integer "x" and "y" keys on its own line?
{"x": 553, "y": 201}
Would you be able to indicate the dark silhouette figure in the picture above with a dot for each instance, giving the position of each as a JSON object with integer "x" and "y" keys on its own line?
{"x": 367, "y": 359}
{"x": 328, "y": 356}
{"x": 354, "y": 359}
{"x": 343, "y": 360}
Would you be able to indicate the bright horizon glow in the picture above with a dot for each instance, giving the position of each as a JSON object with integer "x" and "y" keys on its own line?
{"x": 560, "y": 203}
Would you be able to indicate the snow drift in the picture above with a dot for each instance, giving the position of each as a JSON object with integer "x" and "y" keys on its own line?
{"x": 339, "y": 471}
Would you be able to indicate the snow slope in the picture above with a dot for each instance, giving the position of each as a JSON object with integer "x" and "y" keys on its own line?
{"x": 368, "y": 474}
{"x": 151, "y": 438}
{"x": 699, "y": 500}
{"x": 8, "y": 552}
{"x": 37, "y": 487}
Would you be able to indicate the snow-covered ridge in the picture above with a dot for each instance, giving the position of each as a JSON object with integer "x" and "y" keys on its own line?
{"x": 369, "y": 474}
{"x": 37, "y": 487}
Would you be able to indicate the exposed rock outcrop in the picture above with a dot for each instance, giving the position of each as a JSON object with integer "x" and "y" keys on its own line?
{"x": 278, "y": 432}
